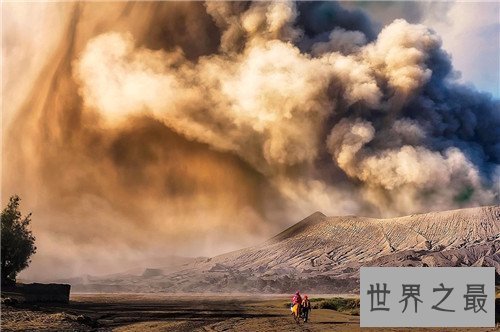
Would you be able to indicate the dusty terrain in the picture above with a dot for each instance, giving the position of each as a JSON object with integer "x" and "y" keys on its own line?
{"x": 321, "y": 254}
{"x": 324, "y": 254}
{"x": 162, "y": 312}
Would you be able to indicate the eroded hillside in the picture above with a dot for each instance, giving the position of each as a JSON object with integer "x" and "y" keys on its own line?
{"x": 324, "y": 254}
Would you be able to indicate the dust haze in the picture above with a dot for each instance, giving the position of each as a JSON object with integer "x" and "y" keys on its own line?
{"x": 137, "y": 131}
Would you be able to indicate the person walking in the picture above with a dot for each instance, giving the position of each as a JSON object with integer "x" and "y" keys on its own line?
{"x": 296, "y": 304}
{"x": 306, "y": 307}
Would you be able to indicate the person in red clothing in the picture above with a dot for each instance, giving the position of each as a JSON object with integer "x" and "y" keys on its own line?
{"x": 297, "y": 298}
{"x": 296, "y": 304}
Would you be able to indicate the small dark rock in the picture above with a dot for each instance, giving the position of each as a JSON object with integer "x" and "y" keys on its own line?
{"x": 86, "y": 320}
{"x": 10, "y": 301}
{"x": 68, "y": 318}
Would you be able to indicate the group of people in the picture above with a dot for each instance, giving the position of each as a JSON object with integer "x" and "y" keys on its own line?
{"x": 300, "y": 307}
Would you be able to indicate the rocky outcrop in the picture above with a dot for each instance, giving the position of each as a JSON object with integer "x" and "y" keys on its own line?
{"x": 36, "y": 293}
{"x": 149, "y": 273}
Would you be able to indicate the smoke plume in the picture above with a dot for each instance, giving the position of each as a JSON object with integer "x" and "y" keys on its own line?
{"x": 191, "y": 128}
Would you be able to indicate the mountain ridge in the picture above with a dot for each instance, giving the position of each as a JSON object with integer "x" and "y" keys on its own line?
{"x": 324, "y": 254}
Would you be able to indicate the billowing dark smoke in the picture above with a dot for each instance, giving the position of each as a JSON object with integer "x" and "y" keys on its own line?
{"x": 193, "y": 128}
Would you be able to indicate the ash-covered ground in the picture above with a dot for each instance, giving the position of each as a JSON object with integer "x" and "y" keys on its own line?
{"x": 167, "y": 312}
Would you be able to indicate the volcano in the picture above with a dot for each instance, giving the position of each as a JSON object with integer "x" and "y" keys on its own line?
{"x": 323, "y": 254}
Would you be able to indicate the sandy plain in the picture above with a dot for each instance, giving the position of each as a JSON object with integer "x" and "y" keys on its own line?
{"x": 167, "y": 312}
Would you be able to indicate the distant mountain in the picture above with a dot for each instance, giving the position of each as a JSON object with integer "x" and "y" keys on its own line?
{"x": 323, "y": 254}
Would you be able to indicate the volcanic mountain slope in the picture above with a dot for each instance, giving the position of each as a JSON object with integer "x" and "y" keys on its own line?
{"x": 323, "y": 254}
{"x": 320, "y": 243}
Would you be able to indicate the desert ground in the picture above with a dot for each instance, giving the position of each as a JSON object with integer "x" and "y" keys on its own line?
{"x": 164, "y": 312}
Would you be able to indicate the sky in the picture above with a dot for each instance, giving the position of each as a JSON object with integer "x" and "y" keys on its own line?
{"x": 139, "y": 131}
{"x": 469, "y": 30}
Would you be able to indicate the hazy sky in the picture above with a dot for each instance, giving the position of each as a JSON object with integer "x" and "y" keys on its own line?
{"x": 470, "y": 31}
{"x": 135, "y": 131}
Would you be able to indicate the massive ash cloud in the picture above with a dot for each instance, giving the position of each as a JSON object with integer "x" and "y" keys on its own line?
{"x": 182, "y": 126}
